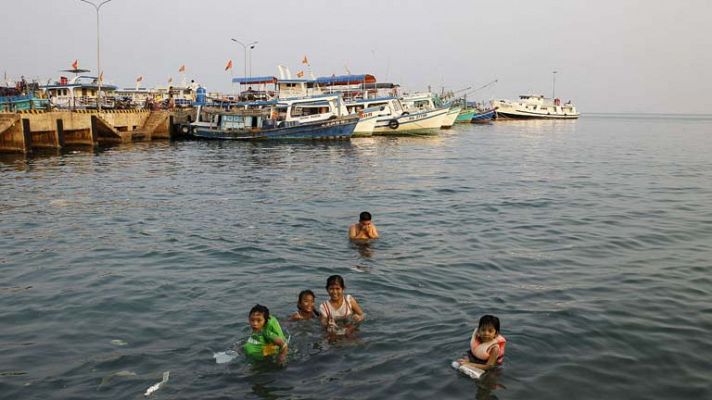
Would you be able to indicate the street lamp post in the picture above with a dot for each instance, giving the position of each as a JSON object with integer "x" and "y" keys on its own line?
{"x": 98, "y": 58}
{"x": 553, "y": 89}
{"x": 244, "y": 52}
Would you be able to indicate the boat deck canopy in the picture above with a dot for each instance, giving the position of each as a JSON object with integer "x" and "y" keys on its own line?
{"x": 345, "y": 79}
{"x": 255, "y": 80}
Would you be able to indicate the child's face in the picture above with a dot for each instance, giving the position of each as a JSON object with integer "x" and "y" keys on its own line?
{"x": 307, "y": 303}
{"x": 336, "y": 292}
{"x": 257, "y": 321}
{"x": 487, "y": 333}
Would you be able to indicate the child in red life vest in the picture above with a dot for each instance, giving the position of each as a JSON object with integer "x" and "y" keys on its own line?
{"x": 486, "y": 345}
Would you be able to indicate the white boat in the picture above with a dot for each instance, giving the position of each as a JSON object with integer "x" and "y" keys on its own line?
{"x": 79, "y": 92}
{"x": 535, "y": 106}
{"x": 316, "y": 117}
{"x": 393, "y": 119}
{"x": 425, "y": 101}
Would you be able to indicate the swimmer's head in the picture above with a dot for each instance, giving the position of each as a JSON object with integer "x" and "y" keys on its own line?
{"x": 335, "y": 280}
{"x": 258, "y": 316}
{"x": 306, "y": 301}
{"x": 364, "y": 216}
{"x": 488, "y": 328}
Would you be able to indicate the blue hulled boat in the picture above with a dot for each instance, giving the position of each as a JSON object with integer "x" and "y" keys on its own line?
{"x": 317, "y": 117}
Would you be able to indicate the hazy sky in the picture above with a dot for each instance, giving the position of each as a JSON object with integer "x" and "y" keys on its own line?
{"x": 611, "y": 56}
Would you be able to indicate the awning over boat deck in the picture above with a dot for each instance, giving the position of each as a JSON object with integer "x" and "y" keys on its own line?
{"x": 255, "y": 80}
{"x": 345, "y": 79}
{"x": 383, "y": 85}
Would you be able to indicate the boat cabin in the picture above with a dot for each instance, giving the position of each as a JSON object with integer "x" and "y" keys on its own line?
{"x": 78, "y": 93}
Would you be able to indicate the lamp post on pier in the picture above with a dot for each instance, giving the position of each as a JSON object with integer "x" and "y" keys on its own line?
{"x": 244, "y": 52}
{"x": 553, "y": 89}
{"x": 97, "y": 7}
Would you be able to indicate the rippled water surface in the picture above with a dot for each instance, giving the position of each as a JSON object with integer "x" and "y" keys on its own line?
{"x": 591, "y": 240}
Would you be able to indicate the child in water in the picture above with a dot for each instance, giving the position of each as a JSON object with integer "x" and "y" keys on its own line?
{"x": 305, "y": 306}
{"x": 339, "y": 308}
{"x": 267, "y": 338}
{"x": 486, "y": 345}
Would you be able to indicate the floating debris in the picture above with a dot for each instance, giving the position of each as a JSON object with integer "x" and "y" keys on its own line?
{"x": 13, "y": 373}
{"x": 157, "y": 386}
{"x": 15, "y": 289}
{"x": 123, "y": 373}
{"x": 118, "y": 342}
{"x": 224, "y": 356}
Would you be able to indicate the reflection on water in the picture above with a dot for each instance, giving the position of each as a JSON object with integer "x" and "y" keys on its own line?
{"x": 583, "y": 237}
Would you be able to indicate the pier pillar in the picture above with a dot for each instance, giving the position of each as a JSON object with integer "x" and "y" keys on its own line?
{"x": 27, "y": 135}
{"x": 60, "y": 132}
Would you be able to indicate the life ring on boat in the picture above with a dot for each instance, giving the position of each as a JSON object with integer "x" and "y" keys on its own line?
{"x": 393, "y": 124}
{"x": 185, "y": 129}
{"x": 405, "y": 113}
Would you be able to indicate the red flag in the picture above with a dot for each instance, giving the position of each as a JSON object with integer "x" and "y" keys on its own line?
{"x": 229, "y": 65}
{"x": 182, "y": 68}
{"x": 75, "y": 64}
{"x": 305, "y": 61}
{"x": 300, "y": 74}
{"x": 139, "y": 79}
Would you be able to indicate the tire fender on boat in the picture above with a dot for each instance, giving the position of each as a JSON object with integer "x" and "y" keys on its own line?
{"x": 393, "y": 124}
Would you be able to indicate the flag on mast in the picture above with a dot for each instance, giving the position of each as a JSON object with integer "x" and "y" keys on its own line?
{"x": 182, "y": 68}
{"x": 139, "y": 79}
{"x": 305, "y": 61}
{"x": 229, "y": 65}
{"x": 300, "y": 74}
{"x": 170, "y": 80}
{"x": 75, "y": 64}
{"x": 101, "y": 76}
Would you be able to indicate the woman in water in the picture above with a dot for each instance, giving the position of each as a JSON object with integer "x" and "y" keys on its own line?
{"x": 340, "y": 308}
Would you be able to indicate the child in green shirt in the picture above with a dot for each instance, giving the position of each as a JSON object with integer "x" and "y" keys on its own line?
{"x": 267, "y": 338}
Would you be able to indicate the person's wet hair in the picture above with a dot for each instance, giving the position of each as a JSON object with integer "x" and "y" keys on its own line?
{"x": 259, "y": 308}
{"x": 364, "y": 216}
{"x": 335, "y": 279}
{"x": 489, "y": 320}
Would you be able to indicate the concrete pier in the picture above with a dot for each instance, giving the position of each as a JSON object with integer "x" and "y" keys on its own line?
{"x": 27, "y": 131}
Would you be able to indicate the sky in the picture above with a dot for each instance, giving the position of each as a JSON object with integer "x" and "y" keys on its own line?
{"x": 610, "y": 56}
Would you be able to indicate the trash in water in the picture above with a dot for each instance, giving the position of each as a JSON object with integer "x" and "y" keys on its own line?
{"x": 157, "y": 386}
{"x": 224, "y": 356}
{"x": 123, "y": 373}
{"x": 118, "y": 342}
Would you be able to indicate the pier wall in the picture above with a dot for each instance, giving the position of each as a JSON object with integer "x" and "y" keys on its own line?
{"x": 24, "y": 132}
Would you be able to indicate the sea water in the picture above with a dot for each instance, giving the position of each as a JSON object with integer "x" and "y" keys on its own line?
{"x": 591, "y": 240}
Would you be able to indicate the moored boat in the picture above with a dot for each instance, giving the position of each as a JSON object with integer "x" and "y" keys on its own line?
{"x": 318, "y": 117}
{"x": 481, "y": 116}
{"x": 535, "y": 106}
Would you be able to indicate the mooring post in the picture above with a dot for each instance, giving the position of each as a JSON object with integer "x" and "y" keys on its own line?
{"x": 60, "y": 132}
{"x": 27, "y": 135}
{"x": 94, "y": 129}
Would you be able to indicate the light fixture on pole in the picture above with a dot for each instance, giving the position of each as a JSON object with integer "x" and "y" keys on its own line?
{"x": 252, "y": 46}
{"x": 98, "y": 58}
{"x": 244, "y": 52}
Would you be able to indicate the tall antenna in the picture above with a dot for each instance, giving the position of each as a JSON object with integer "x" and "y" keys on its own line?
{"x": 553, "y": 90}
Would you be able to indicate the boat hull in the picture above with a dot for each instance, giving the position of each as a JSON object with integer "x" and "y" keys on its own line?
{"x": 484, "y": 116}
{"x": 521, "y": 114}
{"x": 425, "y": 122}
{"x": 365, "y": 126}
{"x": 331, "y": 129}
{"x": 450, "y": 118}
{"x": 465, "y": 116}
